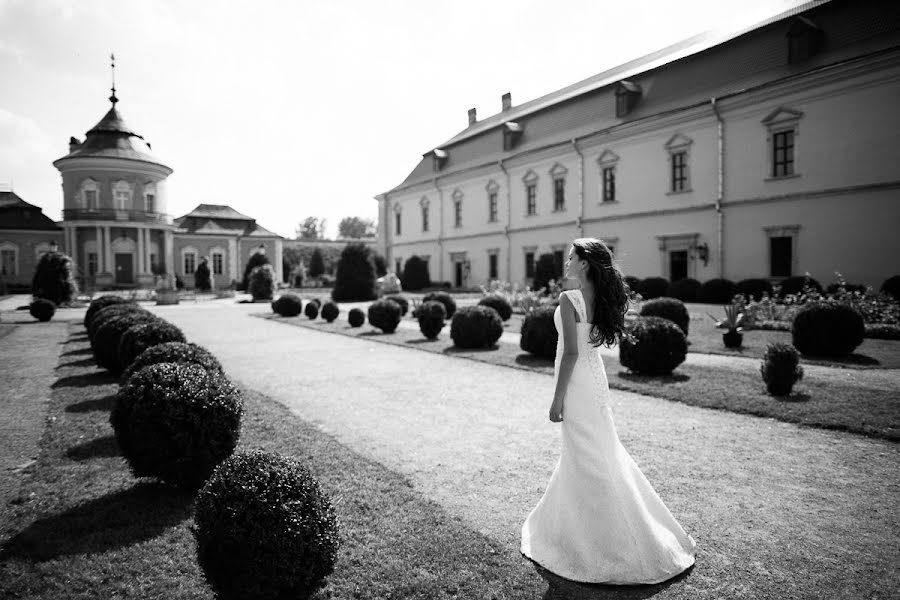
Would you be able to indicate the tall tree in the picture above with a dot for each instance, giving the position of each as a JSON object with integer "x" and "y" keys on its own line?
{"x": 356, "y": 227}
{"x": 316, "y": 264}
{"x": 311, "y": 228}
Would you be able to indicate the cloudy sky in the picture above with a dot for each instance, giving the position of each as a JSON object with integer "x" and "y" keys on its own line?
{"x": 286, "y": 109}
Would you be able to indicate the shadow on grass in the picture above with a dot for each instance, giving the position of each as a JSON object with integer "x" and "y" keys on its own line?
{"x": 530, "y": 360}
{"x": 654, "y": 379}
{"x": 794, "y": 397}
{"x": 110, "y": 522}
{"x": 103, "y": 447}
{"x": 105, "y": 403}
{"x": 455, "y": 350}
{"x": 86, "y": 380}
{"x": 852, "y": 359}
{"x": 563, "y": 589}
{"x": 84, "y": 362}
{"x": 79, "y": 352}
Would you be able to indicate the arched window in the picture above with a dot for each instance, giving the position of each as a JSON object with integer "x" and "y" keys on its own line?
{"x": 89, "y": 194}
{"x": 122, "y": 195}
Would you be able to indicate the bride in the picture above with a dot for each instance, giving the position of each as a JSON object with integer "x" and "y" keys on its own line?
{"x": 599, "y": 521}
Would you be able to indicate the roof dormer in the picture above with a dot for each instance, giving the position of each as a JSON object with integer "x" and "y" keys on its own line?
{"x": 512, "y": 133}
{"x": 805, "y": 40}
{"x": 628, "y": 94}
{"x": 439, "y": 158}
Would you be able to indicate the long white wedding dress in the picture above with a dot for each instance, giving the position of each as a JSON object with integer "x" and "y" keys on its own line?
{"x": 600, "y": 521}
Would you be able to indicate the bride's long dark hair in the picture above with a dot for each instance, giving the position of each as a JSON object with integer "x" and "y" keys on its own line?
{"x": 610, "y": 291}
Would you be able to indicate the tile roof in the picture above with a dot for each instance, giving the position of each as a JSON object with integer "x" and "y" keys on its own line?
{"x": 15, "y": 213}
{"x": 217, "y": 211}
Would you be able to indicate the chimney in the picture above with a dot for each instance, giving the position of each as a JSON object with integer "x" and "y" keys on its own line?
{"x": 506, "y": 99}
{"x": 74, "y": 143}
{"x": 472, "y": 117}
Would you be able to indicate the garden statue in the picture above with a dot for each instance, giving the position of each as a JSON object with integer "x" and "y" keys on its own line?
{"x": 389, "y": 284}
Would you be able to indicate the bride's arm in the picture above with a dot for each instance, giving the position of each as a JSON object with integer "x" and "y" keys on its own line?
{"x": 569, "y": 356}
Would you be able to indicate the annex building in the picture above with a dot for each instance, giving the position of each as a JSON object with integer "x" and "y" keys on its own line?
{"x": 767, "y": 150}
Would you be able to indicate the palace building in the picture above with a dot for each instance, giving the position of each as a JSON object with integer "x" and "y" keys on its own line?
{"x": 764, "y": 150}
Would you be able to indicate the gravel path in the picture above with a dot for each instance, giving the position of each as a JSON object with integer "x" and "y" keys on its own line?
{"x": 764, "y": 499}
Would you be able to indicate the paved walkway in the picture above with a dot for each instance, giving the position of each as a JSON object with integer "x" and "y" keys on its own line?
{"x": 475, "y": 438}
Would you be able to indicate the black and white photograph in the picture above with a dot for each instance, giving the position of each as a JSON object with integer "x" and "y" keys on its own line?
{"x": 500, "y": 300}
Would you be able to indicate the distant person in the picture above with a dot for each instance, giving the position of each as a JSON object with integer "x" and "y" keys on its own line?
{"x": 599, "y": 520}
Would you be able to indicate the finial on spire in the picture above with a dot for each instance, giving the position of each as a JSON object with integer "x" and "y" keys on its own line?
{"x": 113, "y": 99}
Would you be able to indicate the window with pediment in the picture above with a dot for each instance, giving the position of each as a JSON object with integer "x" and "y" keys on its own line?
{"x": 492, "y": 192}
{"x": 531, "y": 182}
{"x": 424, "y": 203}
{"x": 782, "y": 130}
{"x": 150, "y": 197}
{"x": 89, "y": 194}
{"x": 457, "y": 208}
{"x": 398, "y": 220}
{"x": 558, "y": 175}
{"x": 679, "y": 150}
{"x": 607, "y": 163}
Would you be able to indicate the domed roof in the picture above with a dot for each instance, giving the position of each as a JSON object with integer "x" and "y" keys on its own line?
{"x": 111, "y": 137}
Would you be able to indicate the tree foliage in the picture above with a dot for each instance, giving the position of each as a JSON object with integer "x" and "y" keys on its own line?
{"x": 316, "y": 263}
{"x": 356, "y": 228}
{"x": 355, "y": 275}
{"x": 311, "y": 228}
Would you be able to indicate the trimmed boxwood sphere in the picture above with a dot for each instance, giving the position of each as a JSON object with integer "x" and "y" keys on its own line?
{"x": 539, "y": 335}
{"x": 176, "y": 422}
{"x": 445, "y": 299}
{"x": 431, "y": 316}
{"x": 385, "y": 315}
{"x": 668, "y": 308}
{"x": 891, "y": 287}
{"x": 686, "y": 290}
{"x": 717, "y": 291}
{"x": 109, "y": 312}
{"x": 311, "y": 311}
{"x": 653, "y": 346}
{"x": 498, "y": 303}
{"x": 174, "y": 352}
{"x": 821, "y": 329}
{"x": 287, "y": 305}
{"x": 101, "y": 303}
{"x": 633, "y": 283}
{"x": 42, "y": 309}
{"x": 264, "y": 529}
{"x": 330, "y": 311}
{"x": 140, "y": 337}
{"x": 476, "y": 327}
{"x": 356, "y": 317}
{"x": 402, "y": 302}
{"x": 654, "y": 287}
{"x": 105, "y": 344}
{"x": 780, "y": 368}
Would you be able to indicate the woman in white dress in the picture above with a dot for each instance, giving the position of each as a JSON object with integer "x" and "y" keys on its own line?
{"x": 599, "y": 521}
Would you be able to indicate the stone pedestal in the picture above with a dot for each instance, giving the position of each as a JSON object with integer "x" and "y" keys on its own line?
{"x": 145, "y": 280}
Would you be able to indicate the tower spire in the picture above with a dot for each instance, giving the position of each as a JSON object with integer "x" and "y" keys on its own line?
{"x": 113, "y": 99}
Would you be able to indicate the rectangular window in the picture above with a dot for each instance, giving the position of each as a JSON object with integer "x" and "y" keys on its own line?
{"x": 529, "y": 264}
{"x": 457, "y": 208}
{"x": 190, "y": 263}
{"x": 397, "y": 223}
{"x": 93, "y": 264}
{"x": 531, "y": 194}
{"x": 559, "y": 194}
{"x": 780, "y": 256}
{"x": 492, "y": 266}
{"x": 218, "y": 260}
{"x": 492, "y": 206}
{"x": 151, "y": 203}
{"x": 783, "y": 153}
{"x": 609, "y": 184}
{"x": 90, "y": 199}
{"x": 121, "y": 199}
{"x": 424, "y": 218}
{"x": 558, "y": 261}
{"x": 8, "y": 262}
{"x": 679, "y": 171}
{"x": 399, "y": 266}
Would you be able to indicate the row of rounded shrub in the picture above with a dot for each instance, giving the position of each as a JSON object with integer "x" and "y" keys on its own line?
{"x": 721, "y": 291}
{"x": 177, "y": 418}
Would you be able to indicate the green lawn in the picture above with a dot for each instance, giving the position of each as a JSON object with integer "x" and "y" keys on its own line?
{"x": 82, "y": 527}
{"x": 872, "y": 411}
